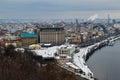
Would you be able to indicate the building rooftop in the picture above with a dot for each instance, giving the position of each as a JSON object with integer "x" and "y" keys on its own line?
{"x": 28, "y": 35}
{"x": 51, "y": 28}
{"x": 66, "y": 46}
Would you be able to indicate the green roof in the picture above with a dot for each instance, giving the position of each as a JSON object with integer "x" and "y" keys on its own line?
{"x": 28, "y": 35}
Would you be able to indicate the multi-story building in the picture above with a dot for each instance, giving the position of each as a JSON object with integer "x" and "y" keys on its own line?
{"x": 75, "y": 38}
{"x": 53, "y": 35}
{"x": 28, "y": 38}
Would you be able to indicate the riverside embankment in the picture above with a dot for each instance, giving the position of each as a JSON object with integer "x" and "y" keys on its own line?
{"x": 85, "y": 53}
{"x": 105, "y": 62}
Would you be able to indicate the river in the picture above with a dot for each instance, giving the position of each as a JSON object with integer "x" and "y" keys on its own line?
{"x": 105, "y": 62}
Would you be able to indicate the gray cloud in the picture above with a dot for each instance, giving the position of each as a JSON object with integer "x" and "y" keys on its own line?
{"x": 56, "y": 8}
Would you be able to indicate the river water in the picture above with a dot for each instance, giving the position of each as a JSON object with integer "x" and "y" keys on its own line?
{"x": 105, "y": 62}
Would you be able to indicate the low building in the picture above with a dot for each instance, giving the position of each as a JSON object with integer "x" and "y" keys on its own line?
{"x": 66, "y": 50}
{"x": 117, "y": 25}
{"x": 75, "y": 39}
{"x": 52, "y": 35}
{"x": 8, "y": 44}
{"x": 2, "y": 42}
{"x": 97, "y": 33}
{"x": 35, "y": 47}
{"x": 10, "y": 39}
{"x": 18, "y": 42}
{"x": 28, "y": 38}
{"x": 100, "y": 33}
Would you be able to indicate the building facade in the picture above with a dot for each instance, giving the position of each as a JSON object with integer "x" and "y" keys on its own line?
{"x": 66, "y": 50}
{"x": 75, "y": 38}
{"x": 53, "y": 35}
{"x": 117, "y": 25}
{"x": 28, "y": 38}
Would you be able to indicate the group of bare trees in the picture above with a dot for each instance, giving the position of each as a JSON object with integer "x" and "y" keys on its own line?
{"x": 17, "y": 66}
{"x": 23, "y": 66}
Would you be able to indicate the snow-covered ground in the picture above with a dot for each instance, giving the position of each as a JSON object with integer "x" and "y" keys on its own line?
{"x": 80, "y": 62}
{"x": 46, "y": 52}
{"x": 79, "y": 59}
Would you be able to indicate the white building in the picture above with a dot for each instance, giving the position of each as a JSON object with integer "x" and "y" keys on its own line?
{"x": 65, "y": 50}
{"x": 117, "y": 25}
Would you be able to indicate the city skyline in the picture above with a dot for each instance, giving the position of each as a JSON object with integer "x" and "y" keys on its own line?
{"x": 58, "y": 9}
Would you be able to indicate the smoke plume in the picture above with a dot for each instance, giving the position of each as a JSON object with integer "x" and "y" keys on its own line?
{"x": 92, "y": 18}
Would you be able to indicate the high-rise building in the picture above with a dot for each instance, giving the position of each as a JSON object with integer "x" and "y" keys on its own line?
{"x": 108, "y": 19}
{"x": 77, "y": 29}
{"x": 53, "y": 35}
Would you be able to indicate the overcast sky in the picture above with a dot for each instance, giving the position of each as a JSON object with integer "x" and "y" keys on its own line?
{"x": 55, "y": 9}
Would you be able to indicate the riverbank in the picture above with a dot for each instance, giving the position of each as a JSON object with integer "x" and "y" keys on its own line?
{"x": 80, "y": 58}
{"x": 88, "y": 51}
{"x": 105, "y": 62}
